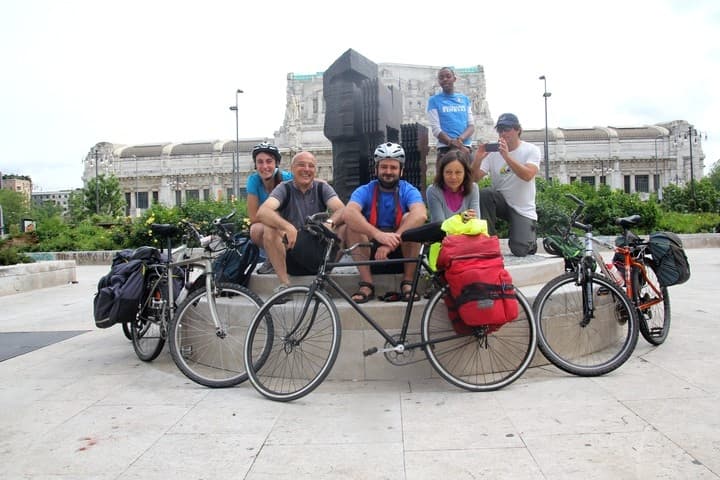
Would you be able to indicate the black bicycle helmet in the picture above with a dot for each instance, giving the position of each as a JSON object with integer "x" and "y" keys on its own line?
{"x": 267, "y": 148}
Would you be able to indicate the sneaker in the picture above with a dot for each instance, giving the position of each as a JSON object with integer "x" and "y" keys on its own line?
{"x": 279, "y": 289}
{"x": 266, "y": 268}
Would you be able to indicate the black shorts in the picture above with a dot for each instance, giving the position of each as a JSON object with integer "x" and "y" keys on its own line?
{"x": 307, "y": 255}
{"x": 391, "y": 268}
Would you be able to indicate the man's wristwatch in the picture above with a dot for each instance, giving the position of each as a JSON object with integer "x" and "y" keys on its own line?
{"x": 330, "y": 222}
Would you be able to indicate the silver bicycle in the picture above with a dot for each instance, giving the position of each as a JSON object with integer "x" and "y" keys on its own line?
{"x": 205, "y": 322}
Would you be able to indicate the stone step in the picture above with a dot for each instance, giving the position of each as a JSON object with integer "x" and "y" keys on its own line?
{"x": 525, "y": 271}
{"x": 529, "y": 275}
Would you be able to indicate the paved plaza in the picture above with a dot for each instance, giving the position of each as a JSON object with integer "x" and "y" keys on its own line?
{"x": 84, "y": 407}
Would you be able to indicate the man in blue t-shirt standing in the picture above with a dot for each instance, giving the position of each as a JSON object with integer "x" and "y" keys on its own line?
{"x": 379, "y": 212}
{"x": 450, "y": 116}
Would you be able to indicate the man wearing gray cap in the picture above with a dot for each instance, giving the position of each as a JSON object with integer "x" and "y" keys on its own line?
{"x": 512, "y": 169}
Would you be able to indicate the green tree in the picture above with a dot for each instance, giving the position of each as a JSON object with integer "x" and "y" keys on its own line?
{"x": 15, "y": 207}
{"x": 714, "y": 175}
{"x": 101, "y": 197}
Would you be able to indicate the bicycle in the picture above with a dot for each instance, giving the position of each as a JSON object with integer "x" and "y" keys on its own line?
{"x": 639, "y": 271}
{"x": 586, "y": 324}
{"x": 205, "y": 324}
{"x": 305, "y": 339}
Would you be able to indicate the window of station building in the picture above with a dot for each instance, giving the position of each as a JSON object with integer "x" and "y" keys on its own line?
{"x": 656, "y": 182}
{"x": 178, "y": 197}
{"x": 156, "y": 196}
{"x": 642, "y": 183}
{"x": 588, "y": 179}
{"x": 127, "y": 204}
{"x": 206, "y": 194}
{"x": 141, "y": 200}
{"x": 192, "y": 195}
{"x": 626, "y": 181}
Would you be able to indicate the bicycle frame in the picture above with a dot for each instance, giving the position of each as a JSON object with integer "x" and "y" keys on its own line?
{"x": 323, "y": 278}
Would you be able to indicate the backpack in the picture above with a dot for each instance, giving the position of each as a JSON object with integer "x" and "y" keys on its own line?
{"x": 288, "y": 193}
{"x": 481, "y": 290}
{"x": 672, "y": 264}
{"x": 234, "y": 265}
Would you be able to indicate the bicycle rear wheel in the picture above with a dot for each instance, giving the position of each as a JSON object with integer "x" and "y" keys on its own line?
{"x": 205, "y": 355}
{"x": 487, "y": 358}
{"x": 586, "y": 347}
{"x": 653, "y": 308}
{"x": 303, "y": 335}
{"x": 147, "y": 331}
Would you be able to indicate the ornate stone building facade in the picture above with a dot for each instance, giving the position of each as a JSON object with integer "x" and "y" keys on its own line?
{"x": 635, "y": 159}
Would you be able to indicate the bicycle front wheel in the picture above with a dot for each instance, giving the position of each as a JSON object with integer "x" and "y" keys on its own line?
{"x": 206, "y": 355}
{"x": 579, "y": 341}
{"x": 653, "y": 306}
{"x": 292, "y": 343}
{"x": 483, "y": 358}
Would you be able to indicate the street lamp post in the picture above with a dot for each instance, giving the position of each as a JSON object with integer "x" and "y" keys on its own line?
{"x": 236, "y": 157}
{"x": 546, "y": 94}
{"x": 97, "y": 186}
{"x": 692, "y": 131}
{"x": 658, "y": 190}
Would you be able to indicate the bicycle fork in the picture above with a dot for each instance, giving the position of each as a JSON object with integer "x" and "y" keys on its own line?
{"x": 586, "y": 284}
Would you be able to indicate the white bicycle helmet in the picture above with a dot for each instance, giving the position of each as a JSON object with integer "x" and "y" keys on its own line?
{"x": 390, "y": 150}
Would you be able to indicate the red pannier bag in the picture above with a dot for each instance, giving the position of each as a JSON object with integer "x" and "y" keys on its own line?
{"x": 481, "y": 290}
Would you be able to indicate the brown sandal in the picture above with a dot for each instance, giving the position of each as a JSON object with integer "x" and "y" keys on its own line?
{"x": 364, "y": 298}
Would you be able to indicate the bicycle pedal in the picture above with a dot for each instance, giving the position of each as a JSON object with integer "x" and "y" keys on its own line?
{"x": 370, "y": 351}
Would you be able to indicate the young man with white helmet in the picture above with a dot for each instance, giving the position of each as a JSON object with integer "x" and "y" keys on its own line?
{"x": 379, "y": 212}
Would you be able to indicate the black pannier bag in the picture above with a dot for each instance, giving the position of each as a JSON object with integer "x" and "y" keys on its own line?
{"x": 119, "y": 293}
{"x": 669, "y": 256}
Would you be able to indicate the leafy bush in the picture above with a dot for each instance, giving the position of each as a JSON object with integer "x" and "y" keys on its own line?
{"x": 11, "y": 256}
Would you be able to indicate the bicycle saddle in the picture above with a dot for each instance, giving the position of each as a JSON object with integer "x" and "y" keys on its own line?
{"x": 626, "y": 222}
{"x": 428, "y": 233}
{"x": 165, "y": 229}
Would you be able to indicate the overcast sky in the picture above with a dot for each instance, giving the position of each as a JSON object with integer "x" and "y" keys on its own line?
{"x": 78, "y": 72}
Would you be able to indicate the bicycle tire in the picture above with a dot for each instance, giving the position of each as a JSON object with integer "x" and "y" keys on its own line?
{"x": 655, "y": 319}
{"x": 127, "y": 331}
{"x": 147, "y": 333}
{"x": 302, "y": 350}
{"x": 195, "y": 346}
{"x": 586, "y": 349}
{"x": 147, "y": 338}
{"x": 484, "y": 360}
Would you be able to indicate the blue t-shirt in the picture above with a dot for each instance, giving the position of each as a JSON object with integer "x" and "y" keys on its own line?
{"x": 255, "y": 185}
{"x": 363, "y": 196}
{"x": 454, "y": 113}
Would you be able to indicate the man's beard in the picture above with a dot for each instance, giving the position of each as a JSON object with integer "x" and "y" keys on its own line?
{"x": 389, "y": 185}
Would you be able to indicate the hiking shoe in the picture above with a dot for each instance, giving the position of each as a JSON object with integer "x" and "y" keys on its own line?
{"x": 266, "y": 268}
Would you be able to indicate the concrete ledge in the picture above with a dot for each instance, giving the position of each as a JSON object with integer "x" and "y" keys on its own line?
{"x": 31, "y": 276}
{"x": 104, "y": 257}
